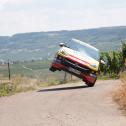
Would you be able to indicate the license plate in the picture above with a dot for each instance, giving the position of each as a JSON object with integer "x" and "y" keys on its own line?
{"x": 74, "y": 70}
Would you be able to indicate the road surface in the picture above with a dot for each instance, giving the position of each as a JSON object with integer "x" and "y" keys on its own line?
{"x": 64, "y": 105}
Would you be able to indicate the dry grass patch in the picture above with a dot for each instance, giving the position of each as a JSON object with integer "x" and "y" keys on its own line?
{"x": 18, "y": 83}
{"x": 120, "y": 94}
{"x": 21, "y": 83}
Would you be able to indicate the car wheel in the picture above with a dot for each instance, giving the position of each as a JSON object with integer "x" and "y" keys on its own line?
{"x": 52, "y": 69}
{"x": 91, "y": 84}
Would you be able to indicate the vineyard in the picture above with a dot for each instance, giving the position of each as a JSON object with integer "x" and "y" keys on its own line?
{"x": 115, "y": 62}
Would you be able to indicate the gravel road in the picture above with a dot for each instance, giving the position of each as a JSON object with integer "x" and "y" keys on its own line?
{"x": 63, "y": 105}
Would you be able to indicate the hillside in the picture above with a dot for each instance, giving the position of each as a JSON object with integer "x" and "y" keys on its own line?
{"x": 39, "y": 45}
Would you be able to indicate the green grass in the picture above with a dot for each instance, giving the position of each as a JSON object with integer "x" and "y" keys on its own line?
{"x": 21, "y": 68}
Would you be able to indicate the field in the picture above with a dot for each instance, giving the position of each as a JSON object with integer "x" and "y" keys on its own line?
{"x": 25, "y": 68}
{"x": 34, "y": 69}
{"x": 28, "y": 76}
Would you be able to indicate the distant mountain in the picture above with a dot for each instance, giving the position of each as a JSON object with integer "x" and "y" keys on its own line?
{"x": 39, "y": 45}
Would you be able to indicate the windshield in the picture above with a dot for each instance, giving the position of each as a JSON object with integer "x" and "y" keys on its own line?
{"x": 83, "y": 48}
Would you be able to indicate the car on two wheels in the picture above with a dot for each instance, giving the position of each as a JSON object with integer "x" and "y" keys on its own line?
{"x": 78, "y": 58}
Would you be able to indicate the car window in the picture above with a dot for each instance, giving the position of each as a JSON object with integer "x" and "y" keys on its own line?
{"x": 83, "y": 48}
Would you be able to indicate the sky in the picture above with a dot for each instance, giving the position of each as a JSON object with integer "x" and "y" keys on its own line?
{"x": 21, "y": 16}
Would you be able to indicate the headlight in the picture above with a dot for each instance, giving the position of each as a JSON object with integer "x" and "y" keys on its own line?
{"x": 64, "y": 53}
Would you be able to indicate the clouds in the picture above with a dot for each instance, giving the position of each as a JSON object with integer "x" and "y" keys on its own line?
{"x": 40, "y": 15}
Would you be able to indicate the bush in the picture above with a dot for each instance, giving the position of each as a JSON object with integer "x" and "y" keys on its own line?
{"x": 6, "y": 89}
{"x": 120, "y": 94}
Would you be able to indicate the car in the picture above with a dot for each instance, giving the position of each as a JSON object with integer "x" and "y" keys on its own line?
{"x": 78, "y": 58}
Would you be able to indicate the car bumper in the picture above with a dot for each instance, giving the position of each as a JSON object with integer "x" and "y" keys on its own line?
{"x": 74, "y": 70}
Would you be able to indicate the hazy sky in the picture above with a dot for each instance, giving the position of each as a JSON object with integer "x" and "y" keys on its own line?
{"x": 17, "y": 16}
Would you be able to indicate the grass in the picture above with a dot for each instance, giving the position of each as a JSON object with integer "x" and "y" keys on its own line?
{"x": 22, "y": 83}
{"x": 21, "y": 68}
{"x": 120, "y": 94}
{"x": 17, "y": 84}
{"x": 6, "y": 89}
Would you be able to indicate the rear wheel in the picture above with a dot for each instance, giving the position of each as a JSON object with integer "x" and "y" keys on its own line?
{"x": 52, "y": 69}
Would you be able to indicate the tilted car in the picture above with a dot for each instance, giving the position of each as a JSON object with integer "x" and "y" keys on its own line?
{"x": 79, "y": 59}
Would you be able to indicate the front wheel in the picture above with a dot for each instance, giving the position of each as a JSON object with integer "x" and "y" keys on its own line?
{"x": 89, "y": 84}
{"x": 52, "y": 69}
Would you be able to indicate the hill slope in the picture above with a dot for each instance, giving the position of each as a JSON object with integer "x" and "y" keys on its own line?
{"x": 39, "y": 45}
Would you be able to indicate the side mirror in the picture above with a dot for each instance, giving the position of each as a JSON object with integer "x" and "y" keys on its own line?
{"x": 62, "y": 44}
{"x": 103, "y": 62}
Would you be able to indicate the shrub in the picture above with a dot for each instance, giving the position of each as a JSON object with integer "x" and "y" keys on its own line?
{"x": 6, "y": 89}
{"x": 120, "y": 94}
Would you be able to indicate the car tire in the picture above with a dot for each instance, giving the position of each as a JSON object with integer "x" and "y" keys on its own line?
{"x": 91, "y": 84}
{"x": 52, "y": 69}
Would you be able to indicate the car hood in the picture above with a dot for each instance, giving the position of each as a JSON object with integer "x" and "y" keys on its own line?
{"x": 76, "y": 56}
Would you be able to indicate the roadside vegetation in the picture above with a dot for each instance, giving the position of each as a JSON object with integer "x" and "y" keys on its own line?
{"x": 28, "y": 76}
{"x": 114, "y": 63}
{"x": 19, "y": 83}
{"x": 120, "y": 95}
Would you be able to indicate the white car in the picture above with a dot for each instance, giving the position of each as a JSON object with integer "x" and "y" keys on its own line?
{"x": 79, "y": 59}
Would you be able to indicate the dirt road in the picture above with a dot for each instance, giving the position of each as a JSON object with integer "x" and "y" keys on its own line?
{"x": 64, "y": 105}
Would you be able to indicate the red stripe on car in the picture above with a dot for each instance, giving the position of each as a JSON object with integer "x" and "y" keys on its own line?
{"x": 79, "y": 59}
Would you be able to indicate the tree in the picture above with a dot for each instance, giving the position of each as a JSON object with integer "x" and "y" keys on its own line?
{"x": 123, "y": 55}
